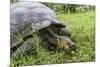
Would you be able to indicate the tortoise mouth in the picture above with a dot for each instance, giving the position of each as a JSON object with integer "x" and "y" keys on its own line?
{"x": 70, "y": 48}
{"x": 73, "y": 47}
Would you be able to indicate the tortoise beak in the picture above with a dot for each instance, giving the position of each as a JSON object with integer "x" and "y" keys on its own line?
{"x": 73, "y": 47}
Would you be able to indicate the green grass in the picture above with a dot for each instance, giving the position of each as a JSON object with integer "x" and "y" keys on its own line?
{"x": 82, "y": 27}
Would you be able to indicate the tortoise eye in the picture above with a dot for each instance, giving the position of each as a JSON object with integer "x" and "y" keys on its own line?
{"x": 73, "y": 47}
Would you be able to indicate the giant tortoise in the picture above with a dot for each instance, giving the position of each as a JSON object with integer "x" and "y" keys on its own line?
{"x": 42, "y": 20}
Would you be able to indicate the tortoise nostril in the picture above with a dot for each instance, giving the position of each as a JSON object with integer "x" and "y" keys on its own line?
{"x": 73, "y": 47}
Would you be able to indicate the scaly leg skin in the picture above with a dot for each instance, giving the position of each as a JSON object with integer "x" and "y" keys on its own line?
{"x": 15, "y": 46}
{"x": 25, "y": 38}
{"x": 25, "y": 47}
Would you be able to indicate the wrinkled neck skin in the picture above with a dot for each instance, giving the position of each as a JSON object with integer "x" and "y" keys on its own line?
{"x": 61, "y": 41}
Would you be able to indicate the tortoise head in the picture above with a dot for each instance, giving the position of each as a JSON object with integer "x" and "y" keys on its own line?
{"x": 67, "y": 44}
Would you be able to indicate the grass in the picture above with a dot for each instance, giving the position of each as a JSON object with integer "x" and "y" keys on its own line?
{"x": 82, "y": 27}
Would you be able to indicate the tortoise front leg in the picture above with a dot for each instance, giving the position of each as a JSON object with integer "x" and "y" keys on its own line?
{"x": 24, "y": 38}
{"x": 23, "y": 48}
